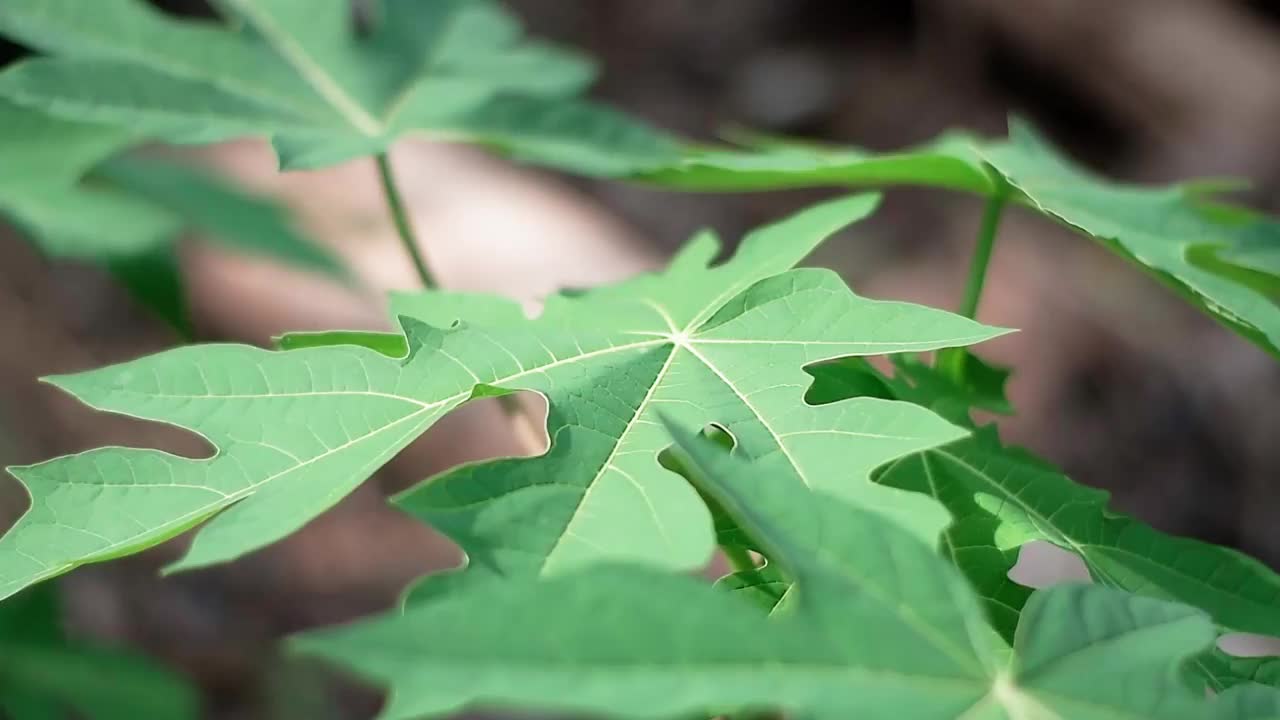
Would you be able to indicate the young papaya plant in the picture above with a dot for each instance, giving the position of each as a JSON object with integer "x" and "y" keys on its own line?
{"x": 298, "y": 430}
{"x": 871, "y": 522}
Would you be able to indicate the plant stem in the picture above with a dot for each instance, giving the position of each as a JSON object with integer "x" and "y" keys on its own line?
{"x": 395, "y": 204}
{"x": 982, "y": 254}
{"x": 527, "y": 432}
{"x": 951, "y": 360}
{"x": 739, "y": 558}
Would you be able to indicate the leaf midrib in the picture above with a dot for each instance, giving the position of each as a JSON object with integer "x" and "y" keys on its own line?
{"x": 225, "y": 499}
{"x": 1012, "y": 498}
{"x": 1080, "y": 548}
{"x": 686, "y": 340}
{"x": 178, "y": 67}
{"x": 312, "y": 72}
{"x": 608, "y": 462}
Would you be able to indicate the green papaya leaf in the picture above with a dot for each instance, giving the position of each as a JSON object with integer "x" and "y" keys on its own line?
{"x": 43, "y": 674}
{"x": 297, "y": 72}
{"x": 88, "y": 222}
{"x": 1003, "y": 497}
{"x": 882, "y": 628}
{"x": 154, "y": 279}
{"x": 129, "y": 212}
{"x": 1155, "y": 227}
{"x": 1227, "y": 268}
{"x": 1253, "y": 258}
{"x": 765, "y": 586}
{"x": 42, "y": 160}
{"x": 737, "y": 364}
{"x": 950, "y": 162}
{"x": 1248, "y": 702}
{"x": 295, "y": 431}
{"x": 231, "y": 217}
{"x": 1259, "y": 252}
{"x": 1217, "y": 671}
{"x": 390, "y": 344}
{"x": 38, "y": 150}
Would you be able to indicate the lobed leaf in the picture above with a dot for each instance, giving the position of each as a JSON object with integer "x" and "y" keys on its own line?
{"x": 729, "y": 351}
{"x": 1158, "y": 228}
{"x": 1218, "y": 671}
{"x": 296, "y": 71}
{"x": 42, "y": 159}
{"x": 1253, "y": 259}
{"x": 1002, "y": 498}
{"x": 1229, "y": 269}
{"x": 1248, "y": 702}
{"x": 233, "y": 218}
{"x": 37, "y": 150}
{"x": 882, "y": 628}
{"x": 296, "y": 431}
{"x": 128, "y": 212}
{"x": 950, "y": 161}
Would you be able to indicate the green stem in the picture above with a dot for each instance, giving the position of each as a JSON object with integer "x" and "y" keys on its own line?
{"x": 982, "y": 254}
{"x": 739, "y": 558}
{"x": 395, "y": 204}
{"x": 951, "y": 360}
{"x": 527, "y": 433}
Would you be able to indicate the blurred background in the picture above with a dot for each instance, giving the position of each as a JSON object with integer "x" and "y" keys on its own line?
{"x": 1117, "y": 381}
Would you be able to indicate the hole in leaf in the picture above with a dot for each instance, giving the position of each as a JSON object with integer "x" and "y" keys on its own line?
{"x": 720, "y": 435}
{"x": 1042, "y": 564}
{"x": 717, "y": 433}
{"x": 718, "y": 566}
{"x": 1249, "y": 645}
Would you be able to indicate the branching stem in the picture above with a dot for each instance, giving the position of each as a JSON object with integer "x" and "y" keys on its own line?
{"x": 395, "y": 204}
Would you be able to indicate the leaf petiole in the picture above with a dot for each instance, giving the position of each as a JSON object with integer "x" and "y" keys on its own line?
{"x": 395, "y": 205}
{"x": 982, "y": 252}
{"x": 951, "y": 360}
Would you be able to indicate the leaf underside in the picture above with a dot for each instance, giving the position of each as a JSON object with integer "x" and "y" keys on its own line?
{"x": 1229, "y": 269}
{"x": 1001, "y": 498}
{"x": 881, "y": 627}
{"x": 296, "y": 71}
{"x": 296, "y": 431}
